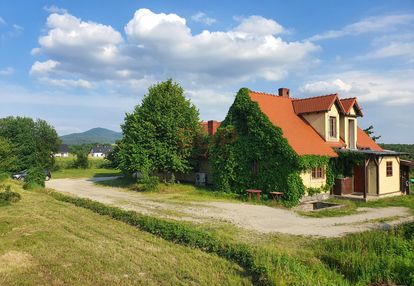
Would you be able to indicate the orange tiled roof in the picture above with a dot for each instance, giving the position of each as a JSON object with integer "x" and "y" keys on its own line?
{"x": 316, "y": 104}
{"x": 300, "y": 135}
{"x": 348, "y": 103}
{"x": 366, "y": 142}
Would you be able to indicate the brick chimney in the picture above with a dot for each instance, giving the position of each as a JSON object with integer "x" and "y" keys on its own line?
{"x": 212, "y": 126}
{"x": 284, "y": 92}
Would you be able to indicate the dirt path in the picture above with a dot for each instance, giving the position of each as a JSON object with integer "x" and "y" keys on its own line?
{"x": 253, "y": 217}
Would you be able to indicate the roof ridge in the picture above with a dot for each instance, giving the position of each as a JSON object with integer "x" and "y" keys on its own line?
{"x": 263, "y": 93}
{"x": 319, "y": 96}
{"x": 347, "y": 98}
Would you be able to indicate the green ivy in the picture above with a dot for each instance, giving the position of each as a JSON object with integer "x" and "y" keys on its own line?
{"x": 249, "y": 152}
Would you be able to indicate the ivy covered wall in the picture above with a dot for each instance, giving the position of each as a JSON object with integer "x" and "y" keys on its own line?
{"x": 250, "y": 152}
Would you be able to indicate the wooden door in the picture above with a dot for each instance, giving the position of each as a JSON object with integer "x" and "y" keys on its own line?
{"x": 359, "y": 179}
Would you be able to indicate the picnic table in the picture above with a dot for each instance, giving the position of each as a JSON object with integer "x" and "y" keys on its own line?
{"x": 276, "y": 195}
{"x": 250, "y": 192}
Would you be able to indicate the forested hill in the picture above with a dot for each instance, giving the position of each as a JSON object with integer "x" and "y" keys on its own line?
{"x": 407, "y": 148}
{"x": 95, "y": 135}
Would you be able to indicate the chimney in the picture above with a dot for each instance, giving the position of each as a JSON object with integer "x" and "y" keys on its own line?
{"x": 212, "y": 127}
{"x": 284, "y": 92}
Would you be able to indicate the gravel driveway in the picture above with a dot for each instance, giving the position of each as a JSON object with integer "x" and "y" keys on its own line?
{"x": 253, "y": 217}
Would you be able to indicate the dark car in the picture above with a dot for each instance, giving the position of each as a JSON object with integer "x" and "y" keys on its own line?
{"x": 23, "y": 174}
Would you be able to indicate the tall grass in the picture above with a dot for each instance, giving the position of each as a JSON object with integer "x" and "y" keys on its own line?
{"x": 268, "y": 267}
{"x": 373, "y": 257}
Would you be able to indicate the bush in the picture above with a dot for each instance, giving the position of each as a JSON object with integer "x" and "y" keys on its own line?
{"x": 148, "y": 183}
{"x": 35, "y": 178}
{"x": 81, "y": 161}
{"x": 7, "y": 196}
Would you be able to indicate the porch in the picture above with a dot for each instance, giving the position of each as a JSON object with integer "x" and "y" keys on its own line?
{"x": 381, "y": 174}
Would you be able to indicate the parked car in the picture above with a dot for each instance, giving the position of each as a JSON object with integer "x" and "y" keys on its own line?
{"x": 23, "y": 174}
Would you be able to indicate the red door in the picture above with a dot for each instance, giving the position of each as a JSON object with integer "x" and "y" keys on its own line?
{"x": 359, "y": 179}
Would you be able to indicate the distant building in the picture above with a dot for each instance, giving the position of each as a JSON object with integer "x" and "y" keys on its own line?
{"x": 63, "y": 151}
{"x": 101, "y": 151}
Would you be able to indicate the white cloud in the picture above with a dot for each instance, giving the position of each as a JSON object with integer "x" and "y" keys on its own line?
{"x": 55, "y": 9}
{"x": 248, "y": 51}
{"x": 162, "y": 45}
{"x": 369, "y": 25}
{"x": 78, "y": 83}
{"x": 325, "y": 87}
{"x": 257, "y": 25}
{"x": 6, "y": 71}
{"x": 201, "y": 17}
{"x": 43, "y": 68}
{"x": 2, "y": 21}
{"x": 17, "y": 28}
{"x": 386, "y": 88}
{"x": 394, "y": 45}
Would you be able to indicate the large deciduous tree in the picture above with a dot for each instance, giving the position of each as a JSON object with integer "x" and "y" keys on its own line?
{"x": 27, "y": 143}
{"x": 159, "y": 135}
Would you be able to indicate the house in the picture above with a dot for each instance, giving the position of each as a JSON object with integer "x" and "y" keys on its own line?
{"x": 63, "y": 151}
{"x": 315, "y": 127}
{"x": 101, "y": 151}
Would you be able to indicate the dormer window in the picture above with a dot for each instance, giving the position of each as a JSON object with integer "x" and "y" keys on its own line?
{"x": 332, "y": 126}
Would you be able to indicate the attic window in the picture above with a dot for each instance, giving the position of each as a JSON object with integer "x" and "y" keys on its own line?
{"x": 332, "y": 126}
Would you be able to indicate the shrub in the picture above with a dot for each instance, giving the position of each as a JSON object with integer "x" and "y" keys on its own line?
{"x": 35, "y": 178}
{"x": 7, "y": 196}
{"x": 148, "y": 183}
{"x": 81, "y": 161}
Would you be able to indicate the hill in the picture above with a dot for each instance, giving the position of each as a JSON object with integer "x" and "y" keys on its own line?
{"x": 95, "y": 135}
{"x": 407, "y": 148}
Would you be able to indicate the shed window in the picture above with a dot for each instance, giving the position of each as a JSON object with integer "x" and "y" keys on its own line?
{"x": 332, "y": 126}
{"x": 318, "y": 173}
{"x": 389, "y": 168}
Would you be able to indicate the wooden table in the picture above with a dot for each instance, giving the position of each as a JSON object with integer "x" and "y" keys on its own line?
{"x": 257, "y": 192}
{"x": 276, "y": 195}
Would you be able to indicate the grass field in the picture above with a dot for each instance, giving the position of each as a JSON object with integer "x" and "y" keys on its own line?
{"x": 64, "y": 169}
{"x": 47, "y": 242}
{"x": 84, "y": 173}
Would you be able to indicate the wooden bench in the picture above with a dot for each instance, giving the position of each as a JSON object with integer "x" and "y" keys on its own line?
{"x": 276, "y": 195}
{"x": 257, "y": 192}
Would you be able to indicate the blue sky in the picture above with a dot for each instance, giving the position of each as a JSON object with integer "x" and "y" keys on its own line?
{"x": 84, "y": 64}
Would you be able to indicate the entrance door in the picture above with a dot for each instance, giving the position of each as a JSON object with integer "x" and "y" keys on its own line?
{"x": 351, "y": 133}
{"x": 404, "y": 177}
{"x": 359, "y": 179}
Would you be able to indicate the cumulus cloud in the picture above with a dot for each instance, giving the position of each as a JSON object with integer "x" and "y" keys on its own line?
{"x": 55, "y": 9}
{"x": 386, "y": 88}
{"x": 6, "y": 71}
{"x": 42, "y": 68}
{"x": 368, "y": 25}
{"x": 324, "y": 87}
{"x": 201, "y": 17}
{"x": 159, "y": 45}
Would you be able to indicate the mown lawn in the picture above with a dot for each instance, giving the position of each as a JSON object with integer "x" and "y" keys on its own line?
{"x": 84, "y": 173}
{"x": 47, "y": 242}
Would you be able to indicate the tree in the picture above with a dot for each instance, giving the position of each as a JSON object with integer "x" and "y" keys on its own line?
{"x": 159, "y": 135}
{"x": 8, "y": 159}
{"x": 370, "y": 132}
{"x": 31, "y": 143}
